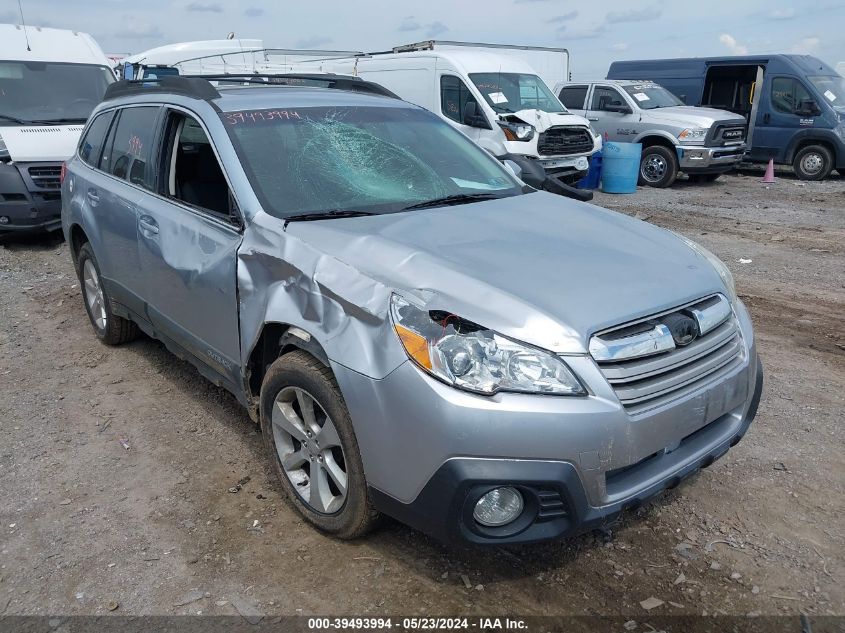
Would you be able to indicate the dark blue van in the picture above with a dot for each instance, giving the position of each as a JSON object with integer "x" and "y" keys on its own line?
{"x": 794, "y": 104}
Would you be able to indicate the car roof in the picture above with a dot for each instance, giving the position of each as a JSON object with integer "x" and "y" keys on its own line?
{"x": 260, "y": 97}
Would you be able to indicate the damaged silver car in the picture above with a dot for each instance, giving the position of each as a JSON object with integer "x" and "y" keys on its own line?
{"x": 419, "y": 333}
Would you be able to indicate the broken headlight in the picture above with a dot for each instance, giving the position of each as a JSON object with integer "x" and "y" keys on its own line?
{"x": 517, "y": 131}
{"x": 468, "y": 356}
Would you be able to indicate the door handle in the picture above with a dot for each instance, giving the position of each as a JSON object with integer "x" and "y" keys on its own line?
{"x": 766, "y": 117}
{"x": 93, "y": 197}
{"x": 592, "y": 118}
{"x": 148, "y": 225}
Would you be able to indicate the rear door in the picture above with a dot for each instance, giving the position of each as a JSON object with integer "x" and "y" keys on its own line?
{"x": 779, "y": 117}
{"x": 114, "y": 191}
{"x": 189, "y": 233}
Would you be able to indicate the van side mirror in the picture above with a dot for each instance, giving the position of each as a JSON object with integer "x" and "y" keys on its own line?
{"x": 473, "y": 117}
{"x": 808, "y": 107}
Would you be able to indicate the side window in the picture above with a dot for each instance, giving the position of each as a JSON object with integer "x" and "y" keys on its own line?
{"x": 787, "y": 94}
{"x": 193, "y": 174}
{"x": 603, "y": 97}
{"x": 454, "y": 96}
{"x": 573, "y": 97}
{"x": 127, "y": 153}
{"x": 92, "y": 143}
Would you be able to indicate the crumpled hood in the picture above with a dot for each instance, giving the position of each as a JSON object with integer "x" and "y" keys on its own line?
{"x": 542, "y": 121}
{"x": 537, "y": 267}
{"x": 688, "y": 116}
{"x": 33, "y": 143}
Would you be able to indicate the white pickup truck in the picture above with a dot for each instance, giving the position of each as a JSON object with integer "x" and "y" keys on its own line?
{"x": 50, "y": 81}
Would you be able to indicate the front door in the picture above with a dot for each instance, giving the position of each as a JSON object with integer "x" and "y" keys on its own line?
{"x": 779, "y": 117}
{"x": 602, "y": 114}
{"x": 187, "y": 244}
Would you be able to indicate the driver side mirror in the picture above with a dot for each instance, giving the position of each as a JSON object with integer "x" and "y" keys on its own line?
{"x": 617, "y": 107}
{"x": 808, "y": 107}
{"x": 473, "y": 117}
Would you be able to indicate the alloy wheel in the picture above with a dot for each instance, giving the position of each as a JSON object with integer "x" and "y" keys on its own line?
{"x": 94, "y": 294}
{"x": 653, "y": 167}
{"x": 309, "y": 450}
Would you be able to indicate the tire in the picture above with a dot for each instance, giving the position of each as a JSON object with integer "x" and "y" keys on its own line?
{"x": 704, "y": 177}
{"x": 812, "y": 162}
{"x": 291, "y": 381}
{"x": 109, "y": 328}
{"x": 658, "y": 167}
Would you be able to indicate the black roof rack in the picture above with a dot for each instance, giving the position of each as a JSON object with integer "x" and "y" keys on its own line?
{"x": 350, "y": 83}
{"x": 199, "y": 86}
{"x": 189, "y": 86}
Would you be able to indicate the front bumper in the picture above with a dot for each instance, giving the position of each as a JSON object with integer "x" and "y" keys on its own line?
{"x": 429, "y": 450}
{"x": 27, "y": 205}
{"x": 699, "y": 159}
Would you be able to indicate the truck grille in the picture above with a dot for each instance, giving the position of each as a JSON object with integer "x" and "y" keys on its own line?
{"x": 646, "y": 382}
{"x": 46, "y": 176}
{"x": 563, "y": 140}
{"x": 727, "y": 134}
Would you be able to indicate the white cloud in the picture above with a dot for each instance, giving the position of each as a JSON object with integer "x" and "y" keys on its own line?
{"x": 806, "y": 46}
{"x": 729, "y": 42}
{"x": 634, "y": 15}
{"x": 204, "y": 7}
{"x": 781, "y": 14}
{"x": 620, "y": 46}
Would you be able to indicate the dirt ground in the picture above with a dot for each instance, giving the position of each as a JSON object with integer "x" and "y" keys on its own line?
{"x": 116, "y": 464}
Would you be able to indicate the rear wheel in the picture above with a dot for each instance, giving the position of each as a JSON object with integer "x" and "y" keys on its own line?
{"x": 310, "y": 441}
{"x": 658, "y": 167}
{"x": 812, "y": 162}
{"x": 109, "y": 328}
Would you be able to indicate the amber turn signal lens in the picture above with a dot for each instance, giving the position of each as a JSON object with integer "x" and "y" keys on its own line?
{"x": 415, "y": 345}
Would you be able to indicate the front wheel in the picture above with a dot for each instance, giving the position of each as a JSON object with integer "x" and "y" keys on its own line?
{"x": 658, "y": 167}
{"x": 813, "y": 162}
{"x": 310, "y": 441}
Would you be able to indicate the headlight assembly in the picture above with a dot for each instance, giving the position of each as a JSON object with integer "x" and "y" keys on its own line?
{"x": 470, "y": 357}
{"x": 718, "y": 264}
{"x": 693, "y": 135}
{"x": 517, "y": 131}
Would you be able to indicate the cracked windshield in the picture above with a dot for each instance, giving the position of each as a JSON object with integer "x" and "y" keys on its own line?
{"x": 372, "y": 160}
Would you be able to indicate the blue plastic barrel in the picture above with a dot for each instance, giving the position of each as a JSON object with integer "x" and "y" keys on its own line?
{"x": 620, "y": 167}
{"x": 591, "y": 180}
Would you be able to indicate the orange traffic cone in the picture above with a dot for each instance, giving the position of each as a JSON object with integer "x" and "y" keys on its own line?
{"x": 769, "y": 176}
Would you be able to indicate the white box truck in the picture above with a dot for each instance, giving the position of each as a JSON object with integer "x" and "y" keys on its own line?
{"x": 50, "y": 81}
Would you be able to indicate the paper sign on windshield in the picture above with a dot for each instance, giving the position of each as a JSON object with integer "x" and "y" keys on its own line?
{"x": 640, "y": 96}
{"x": 498, "y": 97}
{"x": 830, "y": 96}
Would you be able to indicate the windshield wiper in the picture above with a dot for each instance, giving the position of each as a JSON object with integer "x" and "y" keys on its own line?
{"x": 458, "y": 198}
{"x": 58, "y": 121}
{"x": 14, "y": 119}
{"x": 325, "y": 215}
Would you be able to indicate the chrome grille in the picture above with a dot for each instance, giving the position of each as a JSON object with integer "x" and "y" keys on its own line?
{"x": 564, "y": 140}
{"x": 46, "y": 176}
{"x": 648, "y": 381}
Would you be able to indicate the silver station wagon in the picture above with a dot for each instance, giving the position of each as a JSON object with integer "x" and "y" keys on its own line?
{"x": 418, "y": 332}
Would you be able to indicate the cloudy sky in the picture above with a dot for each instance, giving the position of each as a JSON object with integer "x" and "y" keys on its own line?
{"x": 595, "y": 33}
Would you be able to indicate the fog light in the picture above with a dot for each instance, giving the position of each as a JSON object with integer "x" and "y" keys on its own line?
{"x": 4, "y": 219}
{"x": 498, "y": 507}
{"x": 581, "y": 163}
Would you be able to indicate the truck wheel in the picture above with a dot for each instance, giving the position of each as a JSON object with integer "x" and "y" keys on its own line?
{"x": 310, "y": 441}
{"x": 812, "y": 162}
{"x": 109, "y": 328}
{"x": 658, "y": 167}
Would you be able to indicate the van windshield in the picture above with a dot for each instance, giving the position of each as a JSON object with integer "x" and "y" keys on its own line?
{"x": 650, "y": 96}
{"x": 512, "y": 92}
{"x": 360, "y": 159}
{"x": 832, "y": 88}
{"x": 50, "y": 92}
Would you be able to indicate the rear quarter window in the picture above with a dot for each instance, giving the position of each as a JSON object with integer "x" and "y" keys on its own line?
{"x": 92, "y": 143}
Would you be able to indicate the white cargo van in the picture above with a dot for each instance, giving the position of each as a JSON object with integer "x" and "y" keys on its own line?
{"x": 50, "y": 81}
{"x": 497, "y": 95}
